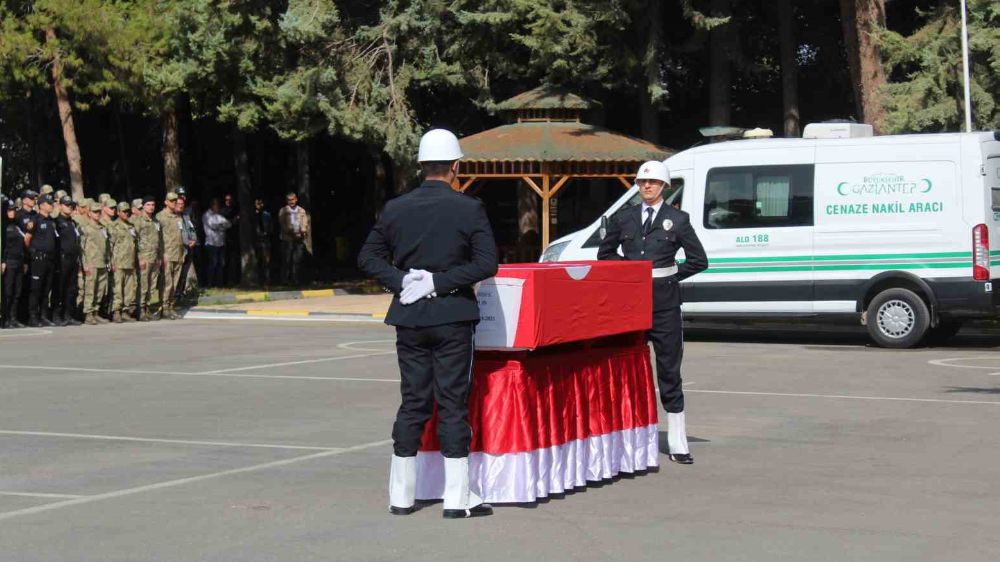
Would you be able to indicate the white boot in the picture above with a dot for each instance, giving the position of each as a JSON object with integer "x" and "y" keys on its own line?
{"x": 402, "y": 485}
{"x": 459, "y": 500}
{"x": 677, "y": 440}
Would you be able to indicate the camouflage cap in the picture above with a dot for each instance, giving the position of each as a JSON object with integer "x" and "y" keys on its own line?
{"x": 46, "y": 189}
{"x": 172, "y": 196}
{"x": 109, "y": 202}
{"x": 17, "y": 203}
{"x": 86, "y": 202}
{"x": 137, "y": 203}
{"x": 124, "y": 206}
{"x": 60, "y": 194}
{"x": 95, "y": 206}
{"x": 103, "y": 197}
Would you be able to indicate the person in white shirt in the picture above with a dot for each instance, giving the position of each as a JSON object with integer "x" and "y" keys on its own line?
{"x": 215, "y": 243}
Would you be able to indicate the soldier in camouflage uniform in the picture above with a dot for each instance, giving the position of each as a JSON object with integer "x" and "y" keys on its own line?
{"x": 109, "y": 210}
{"x": 171, "y": 225}
{"x": 150, "y": 258}
{"x": 123, "y": 260}
{"x": 94, "y": 240}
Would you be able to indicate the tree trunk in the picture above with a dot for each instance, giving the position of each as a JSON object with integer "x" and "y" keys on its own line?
{"x": 73, "y": 158}
{"x": 649, "y": 112}
{"x": 171, "y": 149}
{"x": 375, "y": 197}
{"x": 303, "y": 183}
{"x": 720, "y": 77}
{"x": 244, "y": 195}
{"x": 123, "y": 152}
{"x": 400, "y": 178}
{"x": 861, "y": 20}
{"x": 871, "y": 20}
{"x": 789, "y": 69}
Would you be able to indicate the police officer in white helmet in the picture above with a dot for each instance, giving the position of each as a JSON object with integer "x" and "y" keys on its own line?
{"x": 655, "y": 231}
{"x": 429, "y": 247}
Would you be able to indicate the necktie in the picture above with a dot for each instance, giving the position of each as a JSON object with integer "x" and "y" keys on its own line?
{"x": 647, "y": 225}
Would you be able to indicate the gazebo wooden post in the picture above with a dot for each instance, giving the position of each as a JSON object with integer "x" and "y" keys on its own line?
{"x": 547, "y": 220}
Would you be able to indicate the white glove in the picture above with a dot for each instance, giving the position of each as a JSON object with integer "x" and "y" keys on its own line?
{"x": 419, "y": 288}
{"x": 410, "y": 277}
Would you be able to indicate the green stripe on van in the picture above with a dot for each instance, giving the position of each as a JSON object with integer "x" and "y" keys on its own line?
{"x": 842, "y": 257}
{"x": 853, "y": 267}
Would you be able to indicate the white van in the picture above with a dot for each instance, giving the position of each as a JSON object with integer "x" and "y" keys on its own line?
{"x": 894, "y": 231}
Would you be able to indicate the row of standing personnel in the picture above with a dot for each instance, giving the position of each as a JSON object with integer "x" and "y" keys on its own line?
{"x": 98, "y": 261}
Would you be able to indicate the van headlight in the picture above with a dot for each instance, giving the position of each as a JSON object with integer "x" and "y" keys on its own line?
{"x": 552, "y": 252}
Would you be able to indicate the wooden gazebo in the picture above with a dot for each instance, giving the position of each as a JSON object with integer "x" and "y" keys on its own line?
{"x": 548, "y": 146}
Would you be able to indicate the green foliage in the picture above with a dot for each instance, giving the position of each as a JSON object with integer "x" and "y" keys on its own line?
{"x": 925, "y": 92}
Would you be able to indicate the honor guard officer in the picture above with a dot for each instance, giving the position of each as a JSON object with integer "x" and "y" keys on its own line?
{"x": 12, "y": 264}
{"x": 69, "y": 265}
{"x": 42, "y": 252}
{"x": 429, "y": 247}
{"x": 655, "y": 231}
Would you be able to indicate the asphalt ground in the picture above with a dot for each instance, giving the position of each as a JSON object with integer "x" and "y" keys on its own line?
{"x": 266, "y": 440}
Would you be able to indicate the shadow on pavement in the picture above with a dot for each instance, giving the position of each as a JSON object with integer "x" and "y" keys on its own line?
{"x": 973, "y": 390}
{"x": 970, "y": 337}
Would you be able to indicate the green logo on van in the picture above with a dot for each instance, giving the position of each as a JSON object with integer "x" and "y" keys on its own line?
{"x": 885, "y": 184}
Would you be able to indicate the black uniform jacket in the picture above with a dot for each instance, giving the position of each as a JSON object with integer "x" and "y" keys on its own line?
{"x": 439, "y": 230}
{"x": 659, "y": 246}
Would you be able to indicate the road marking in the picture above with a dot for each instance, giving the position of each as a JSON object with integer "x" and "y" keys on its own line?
{"x": 182, "y": 481}
{"x": 92, "y": 370}
{"x": 208, "y": 374}
{"x": 949, "y": 363}
{"x": 156, "y": 440}
{"x": 303, "y": 362}
{"x": 26, "y": 333}
{"x": 40, "y": 495}
{"x": 350, "y": 345}
{"x": 848, "y": 397}
{"x": 330, "y": 318}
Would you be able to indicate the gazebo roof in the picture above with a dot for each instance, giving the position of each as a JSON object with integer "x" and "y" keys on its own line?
{"x": 546, "y": 97}
{"x": 558, "y": 142}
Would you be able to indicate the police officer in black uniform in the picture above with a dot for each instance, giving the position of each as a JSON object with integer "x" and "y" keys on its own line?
{"x": 42, "y": 251}
{"x": 430, "y": 247}
{"x": 654, "y": 231}
{"x": 12, "y": 261}
{"x": 65, "y": 293}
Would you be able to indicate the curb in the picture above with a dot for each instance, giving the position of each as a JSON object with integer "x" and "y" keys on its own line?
{"x": 288, "y": 314}
{"x": 262, "y": 296}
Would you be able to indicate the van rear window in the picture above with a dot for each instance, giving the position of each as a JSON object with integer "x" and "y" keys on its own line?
{"x": 996, "y": 199}
{"x": 759, "y": 196}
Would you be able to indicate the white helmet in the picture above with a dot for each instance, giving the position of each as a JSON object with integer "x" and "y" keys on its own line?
{"x": 653, "y": 170}
{"x": 439, "y": 145}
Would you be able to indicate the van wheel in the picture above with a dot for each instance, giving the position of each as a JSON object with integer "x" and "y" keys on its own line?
{"x": 898, "y": 318}
{"x": 940, "y": 334}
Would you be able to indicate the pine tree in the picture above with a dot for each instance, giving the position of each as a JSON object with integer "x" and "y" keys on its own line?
{"x": 925, "y": 92}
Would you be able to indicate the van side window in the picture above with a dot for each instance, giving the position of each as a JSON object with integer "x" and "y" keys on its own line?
{"x": 759, "y": 196}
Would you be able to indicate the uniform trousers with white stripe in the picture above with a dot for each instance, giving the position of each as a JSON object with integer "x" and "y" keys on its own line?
{"x": 435, "y": 365}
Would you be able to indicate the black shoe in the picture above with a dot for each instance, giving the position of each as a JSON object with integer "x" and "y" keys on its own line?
{"x": 401, "y": 510}
{"x": 681, "y": 459}
{"x": 34, "y": 323}
{"x": 481, "y": 510}
{"x": 46, "y": 322}
{"x": 72, "y": 322}
{"x": 13, "y": 324}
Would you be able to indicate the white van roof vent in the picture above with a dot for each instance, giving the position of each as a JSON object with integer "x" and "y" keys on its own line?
{"x": 837, "y": 131}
